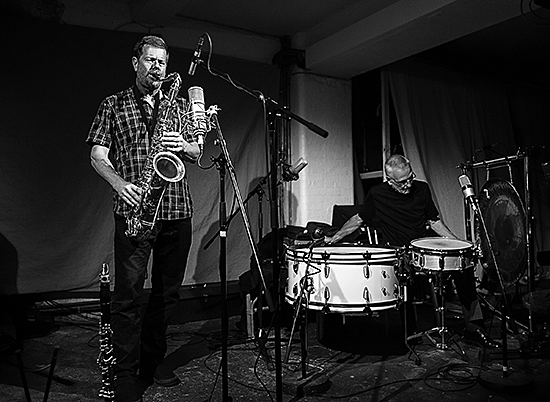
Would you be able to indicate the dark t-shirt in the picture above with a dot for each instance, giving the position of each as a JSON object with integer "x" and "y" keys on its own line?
{"x": 403, "y": 217}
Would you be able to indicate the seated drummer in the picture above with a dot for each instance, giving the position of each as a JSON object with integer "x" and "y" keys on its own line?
{"x": 405, "y": 209}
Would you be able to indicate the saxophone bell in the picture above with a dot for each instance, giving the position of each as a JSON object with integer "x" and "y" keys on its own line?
{"x": 168, "y": 166}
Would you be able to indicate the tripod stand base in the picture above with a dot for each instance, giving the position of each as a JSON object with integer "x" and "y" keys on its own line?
{"x": 494, "y": 379}
{"x": 446, "y": 338}
{"x": 314, "y": 383}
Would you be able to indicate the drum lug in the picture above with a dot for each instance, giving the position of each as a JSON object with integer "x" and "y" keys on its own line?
{"x": 384, "y": 274}
{"x": 327, "y": 295}
{"x": 327, "y": 270}
{"x": 384, "y": 292}
{"x": 295, "y": 259}
{"x": 395, "y": 289}
{"x": 366, "y": 295}
{"x": 442, "y": 262}
{"x": 366, "y": 271}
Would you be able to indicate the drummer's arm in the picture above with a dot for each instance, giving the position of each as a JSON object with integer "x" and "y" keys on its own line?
{"x": 348, "y": 228}
{"x": 441, "y": 229}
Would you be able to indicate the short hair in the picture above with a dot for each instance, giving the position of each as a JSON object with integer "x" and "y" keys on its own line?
{"x": 396, "y": 162}
{"x": 150, "y": 40}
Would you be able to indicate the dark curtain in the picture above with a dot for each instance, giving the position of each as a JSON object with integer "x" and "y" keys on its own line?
{"x": 55, "y": 211}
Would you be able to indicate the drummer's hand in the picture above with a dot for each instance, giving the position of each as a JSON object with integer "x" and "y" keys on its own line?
{"x": 330, "y": 240}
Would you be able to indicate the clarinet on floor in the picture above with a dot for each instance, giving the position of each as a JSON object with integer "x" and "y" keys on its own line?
{"x": 106, "y": 359}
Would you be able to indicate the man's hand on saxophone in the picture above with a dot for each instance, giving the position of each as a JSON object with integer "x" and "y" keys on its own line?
{"x": 130, "y": 193}
{"x": 174, "y": 142}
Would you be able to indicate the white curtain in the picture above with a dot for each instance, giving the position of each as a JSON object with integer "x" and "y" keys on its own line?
{"x": 447, "y": 118}
{"x": 443, "y": 118}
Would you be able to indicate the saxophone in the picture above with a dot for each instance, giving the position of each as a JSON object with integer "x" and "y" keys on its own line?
{"x": 106, "y": 359}
{"x": 161, "y": 168}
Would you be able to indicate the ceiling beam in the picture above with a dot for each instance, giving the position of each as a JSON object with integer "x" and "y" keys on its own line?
{"x": 402, "y": 30}
{"x": 156, "y": 12}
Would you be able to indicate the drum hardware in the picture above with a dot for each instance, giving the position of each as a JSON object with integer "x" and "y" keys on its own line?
{"x": 301, "y": 303}
{"x": 446, "y": 337}
{"x": 437, "y": 257}
{"x": 302, "y": 291}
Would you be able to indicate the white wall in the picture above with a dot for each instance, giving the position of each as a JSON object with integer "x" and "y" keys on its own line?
{"x": 328, "y": 178}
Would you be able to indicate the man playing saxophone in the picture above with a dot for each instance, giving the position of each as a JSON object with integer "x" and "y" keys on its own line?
{"x": 127, "y": 124}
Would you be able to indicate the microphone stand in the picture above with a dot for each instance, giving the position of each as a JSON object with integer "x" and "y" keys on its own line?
{"x": 491, "y": 379}
{"x": 274, "y": 214}
{"x": 257, "y": 190}
{"x": 223, "y": 164}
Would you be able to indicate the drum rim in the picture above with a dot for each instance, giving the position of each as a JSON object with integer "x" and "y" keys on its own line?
{"x": 389, "y": 250}
{"x": 386, "y": 304}
{"x": 467, "y": 245}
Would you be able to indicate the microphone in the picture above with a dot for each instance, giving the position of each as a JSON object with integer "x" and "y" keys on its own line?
{"x": 468, "y": 191}
{"x": 196, "y": 56}
{"x": 198, "y": 115}
{"x": 290, "y": 173}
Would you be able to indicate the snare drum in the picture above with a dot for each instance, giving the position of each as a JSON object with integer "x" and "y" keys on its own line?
{"x": 344, "y": 279}
{"x": 441, "y": 254}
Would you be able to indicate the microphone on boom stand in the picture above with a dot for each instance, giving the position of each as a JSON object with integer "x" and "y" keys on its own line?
{"x": 492, "y": 379}
{"x": 290, "y": 173}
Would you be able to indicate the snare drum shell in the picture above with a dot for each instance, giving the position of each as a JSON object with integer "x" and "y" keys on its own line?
{"x": 441, "y": 254}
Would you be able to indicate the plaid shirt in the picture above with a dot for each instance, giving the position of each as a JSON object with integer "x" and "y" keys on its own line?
{"x": 118, "y": 125}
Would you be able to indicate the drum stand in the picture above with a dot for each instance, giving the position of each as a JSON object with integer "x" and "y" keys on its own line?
{"x": 304, "y": 383}
{"x": 445, "y": 336}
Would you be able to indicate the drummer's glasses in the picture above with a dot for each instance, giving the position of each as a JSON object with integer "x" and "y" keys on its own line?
{"x": 404, "y": 182}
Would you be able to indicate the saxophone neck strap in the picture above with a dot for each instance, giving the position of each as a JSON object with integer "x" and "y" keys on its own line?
{"x": 149, "y": 125}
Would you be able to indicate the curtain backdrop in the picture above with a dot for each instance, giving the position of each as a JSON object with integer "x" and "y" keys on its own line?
{"x": 447, "y": 118}
{"x": 55, "y": 211}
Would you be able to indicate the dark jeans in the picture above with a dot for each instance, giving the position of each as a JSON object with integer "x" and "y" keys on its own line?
{"x": 140, "y": 344}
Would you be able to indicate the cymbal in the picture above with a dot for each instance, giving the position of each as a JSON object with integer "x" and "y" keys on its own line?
{"x": 504, "y": 217}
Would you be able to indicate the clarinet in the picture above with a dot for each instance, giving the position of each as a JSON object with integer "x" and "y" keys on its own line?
{"x": 106, "y": 358}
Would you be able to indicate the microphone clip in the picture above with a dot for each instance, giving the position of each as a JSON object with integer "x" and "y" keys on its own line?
{"x": 288, "y": 174}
